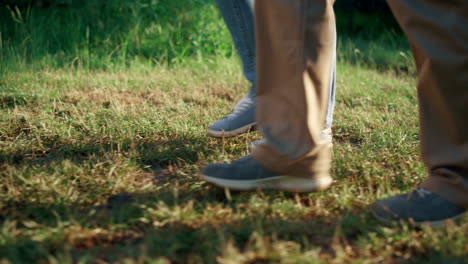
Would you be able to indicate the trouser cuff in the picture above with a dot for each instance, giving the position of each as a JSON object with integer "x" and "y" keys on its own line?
{"x": 448, "y": 185}
{"x": 312, "y": 165}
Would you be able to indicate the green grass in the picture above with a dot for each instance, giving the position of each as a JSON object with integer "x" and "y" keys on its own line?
{"x": 97, "y": 34}
{"x": 99, "y": 156}
{"x": 103, "y": 165}
{"x": 113, "y": 34}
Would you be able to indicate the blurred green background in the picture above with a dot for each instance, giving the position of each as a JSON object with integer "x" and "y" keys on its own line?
{"x": 104, "y": 34}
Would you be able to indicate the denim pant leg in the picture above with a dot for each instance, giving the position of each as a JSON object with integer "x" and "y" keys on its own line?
{"x": 238, "y": 16}
{"x": 331, "y": 100}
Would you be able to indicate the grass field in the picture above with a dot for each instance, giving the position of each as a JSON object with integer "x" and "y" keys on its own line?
{"x": 100, "y": 155}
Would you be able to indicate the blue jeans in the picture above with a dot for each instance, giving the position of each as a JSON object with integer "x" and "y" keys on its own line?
{"x": 239, "y": 18}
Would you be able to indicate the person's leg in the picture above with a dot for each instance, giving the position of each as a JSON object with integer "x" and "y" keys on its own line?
{"x": 438, "y": 33}
{"x": 295, "y": 47}
{"x": 239, "y": 18}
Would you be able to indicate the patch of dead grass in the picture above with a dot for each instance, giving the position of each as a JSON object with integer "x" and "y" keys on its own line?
{"x": 108, "y": 97}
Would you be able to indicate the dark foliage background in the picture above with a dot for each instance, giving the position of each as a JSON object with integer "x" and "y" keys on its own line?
{"x": 104, "y": 33}
{"x": 345, "y": 5}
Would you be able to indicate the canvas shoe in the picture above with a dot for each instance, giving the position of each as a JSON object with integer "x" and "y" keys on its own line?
{"x": 248, "y": 174}
{"x": 420, "y": 206}
{"x": 241, "y": 120}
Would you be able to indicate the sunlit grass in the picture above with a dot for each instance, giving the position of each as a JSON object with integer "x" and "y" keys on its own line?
{"x": 103, "y": 165}
{"x": 104, "y": 108}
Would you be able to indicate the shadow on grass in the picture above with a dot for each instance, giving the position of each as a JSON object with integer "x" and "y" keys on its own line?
{"x": 260, "y": 237}
{"x": 181, "y": 242}
{"x": 150, "y": 153}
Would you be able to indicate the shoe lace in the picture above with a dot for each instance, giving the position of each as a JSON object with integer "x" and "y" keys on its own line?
{"x": 243, "y": 104}
{"x": 422, "y": 192}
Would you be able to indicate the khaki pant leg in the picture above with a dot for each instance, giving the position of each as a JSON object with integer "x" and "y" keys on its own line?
{"x": 438, "y": 33}
{"x": 295, "y": 45}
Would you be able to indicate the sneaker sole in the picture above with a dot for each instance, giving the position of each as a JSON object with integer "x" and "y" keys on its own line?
{"x": 433, "y": 224}
{"x": 232, "y": 133}
{"x": 283, "y": 183}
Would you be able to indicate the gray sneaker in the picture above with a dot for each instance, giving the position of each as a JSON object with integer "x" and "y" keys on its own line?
{"x": 241, "y": 120}
{"x": 247, "y": 174}
{"x": 326, "y": 136}
{"x": 420, "y": 206}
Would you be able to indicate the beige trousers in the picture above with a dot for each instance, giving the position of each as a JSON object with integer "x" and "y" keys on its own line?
{"x": 294, "y": 59}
